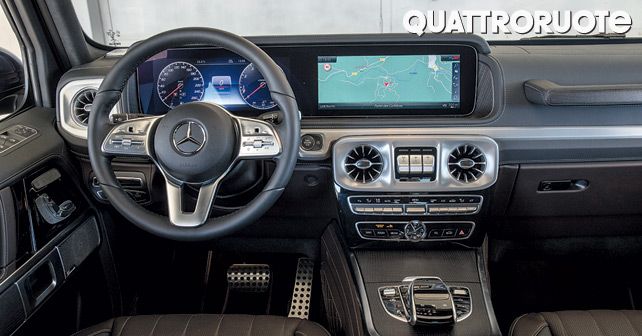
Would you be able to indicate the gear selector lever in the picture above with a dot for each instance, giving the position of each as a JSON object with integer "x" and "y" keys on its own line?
{"x": 430, "y": 301}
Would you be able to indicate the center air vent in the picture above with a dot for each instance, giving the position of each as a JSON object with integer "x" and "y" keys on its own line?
{"x": 81, "y": 105}
{"x": 363, "y": 164}
{"x": 467, "y": 163}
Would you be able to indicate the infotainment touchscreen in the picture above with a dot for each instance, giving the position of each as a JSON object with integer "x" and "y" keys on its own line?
{"x": 389, "y": 82}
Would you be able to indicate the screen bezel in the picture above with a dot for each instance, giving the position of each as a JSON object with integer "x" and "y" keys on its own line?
{"x": 468, "y": 84}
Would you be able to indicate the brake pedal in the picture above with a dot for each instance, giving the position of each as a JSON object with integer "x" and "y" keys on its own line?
{"x": 253, "y": 278}
{"x": 302, "y": 293}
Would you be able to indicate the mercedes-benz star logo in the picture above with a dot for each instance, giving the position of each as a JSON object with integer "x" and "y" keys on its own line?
{"x": 189, "y": 137}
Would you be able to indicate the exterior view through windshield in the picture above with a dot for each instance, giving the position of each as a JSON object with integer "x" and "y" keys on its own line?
{"x": 123, "y": 22}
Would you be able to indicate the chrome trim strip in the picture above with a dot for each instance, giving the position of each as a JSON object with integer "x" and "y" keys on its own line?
{"x": 472, "y": 230}
{"x": 64, "y": 109}
{"x": 330, "y": 136}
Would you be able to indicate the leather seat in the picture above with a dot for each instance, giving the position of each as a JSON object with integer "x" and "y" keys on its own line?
{"x": 579, "y": 323}
{"x": 202, "y": 325}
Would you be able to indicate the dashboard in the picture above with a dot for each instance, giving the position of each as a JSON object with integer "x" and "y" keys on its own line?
{"x": 436, "y": 156}
{"x": 332, "y": 81}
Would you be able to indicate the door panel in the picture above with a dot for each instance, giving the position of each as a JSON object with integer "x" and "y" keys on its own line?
{"x": 49, "y": 229}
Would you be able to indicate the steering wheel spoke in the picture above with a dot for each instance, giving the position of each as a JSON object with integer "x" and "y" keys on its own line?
{"x": 258, "y": 139}
{"x": 204, "y": 200}
{"x": 130, "y": 138}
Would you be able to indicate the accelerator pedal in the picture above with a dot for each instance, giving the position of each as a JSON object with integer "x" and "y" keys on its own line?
{"x": 302, "y": 293}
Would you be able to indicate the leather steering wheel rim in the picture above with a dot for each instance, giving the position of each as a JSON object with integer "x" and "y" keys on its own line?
{"x": 110, "y": 92}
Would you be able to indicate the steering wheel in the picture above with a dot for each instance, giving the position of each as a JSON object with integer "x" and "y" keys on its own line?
{"x": 194, "y": 144}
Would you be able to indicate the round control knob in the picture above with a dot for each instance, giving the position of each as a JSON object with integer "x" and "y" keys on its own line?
{"x": 415, "y": 231}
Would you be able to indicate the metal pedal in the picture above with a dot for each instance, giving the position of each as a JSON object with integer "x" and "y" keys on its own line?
{"x": 302, "y": 293}
{"x": 254, "y": 278}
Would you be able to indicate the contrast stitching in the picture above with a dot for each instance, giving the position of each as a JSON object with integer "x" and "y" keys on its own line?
{"x": 151, "y": 333}
{"x": 218, "y": 326}
{"x": 512, "y": 326}
{"x": 124, "y": 324}
{"x": 539, "y": 330}
{"x": 561, "y": 323}
{"x": 251, "y": 324}
{"x": 599, "y": 328}
{"x": 187, "y": 324}
{"x": 626, "y": 317}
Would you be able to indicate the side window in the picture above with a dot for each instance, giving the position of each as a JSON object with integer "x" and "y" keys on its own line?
{"x": 11, "y": 68}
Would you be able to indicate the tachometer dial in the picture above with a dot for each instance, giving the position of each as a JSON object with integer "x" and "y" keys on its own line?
{"x": 180, "y": 83}
{"x": 254, "y": 90}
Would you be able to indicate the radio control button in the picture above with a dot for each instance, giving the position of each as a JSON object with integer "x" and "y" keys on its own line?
{"x": 368, "y": 233}
{"x": 394, "y": 233}
{"x": 435, "y": 233}
{"x": 397, "y": 210}
{"x": 415, "y": 209}
{"x": 381, "y": 233}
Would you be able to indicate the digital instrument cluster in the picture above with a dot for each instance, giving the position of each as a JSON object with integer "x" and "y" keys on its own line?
{"x": 174, "y": 77}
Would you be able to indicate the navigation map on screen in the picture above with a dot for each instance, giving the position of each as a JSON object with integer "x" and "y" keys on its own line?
{"x": 389, "y": 82}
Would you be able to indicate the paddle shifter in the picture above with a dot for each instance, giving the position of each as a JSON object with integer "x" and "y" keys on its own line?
{"x": 426, "y": 301}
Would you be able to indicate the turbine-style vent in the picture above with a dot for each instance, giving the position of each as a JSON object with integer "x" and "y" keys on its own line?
{"x": 467, "y": 163}
{"x": 364, "y": 164}
{"x": 81, "y": 105}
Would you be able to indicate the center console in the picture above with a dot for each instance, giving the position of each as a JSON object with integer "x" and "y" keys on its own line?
{"x": 424, "y": 292}
{"x": 412, "y": 209}
{"x": 413, "y": 188}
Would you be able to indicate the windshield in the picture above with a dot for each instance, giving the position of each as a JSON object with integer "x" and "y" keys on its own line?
{"x": 123, "y": 22}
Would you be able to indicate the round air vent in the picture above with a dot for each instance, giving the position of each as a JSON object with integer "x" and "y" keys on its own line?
{"x": 467, "y": 163}
{"x": 363, "y": 164}
{"x": 81, "y": 105}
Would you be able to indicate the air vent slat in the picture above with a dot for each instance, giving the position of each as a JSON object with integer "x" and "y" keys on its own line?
{"x": 363, "y": 164}
{"x": 81, "y": 105}
{"x": 467, "y": 163}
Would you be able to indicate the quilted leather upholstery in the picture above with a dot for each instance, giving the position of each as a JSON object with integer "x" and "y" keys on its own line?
{"x": 204, "y": 325}
{"x": 579, "y": 323}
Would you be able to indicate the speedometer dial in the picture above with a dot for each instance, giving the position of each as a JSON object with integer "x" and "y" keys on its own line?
{"x": 254, "y": 90}
{"x": 180, "y": 83}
